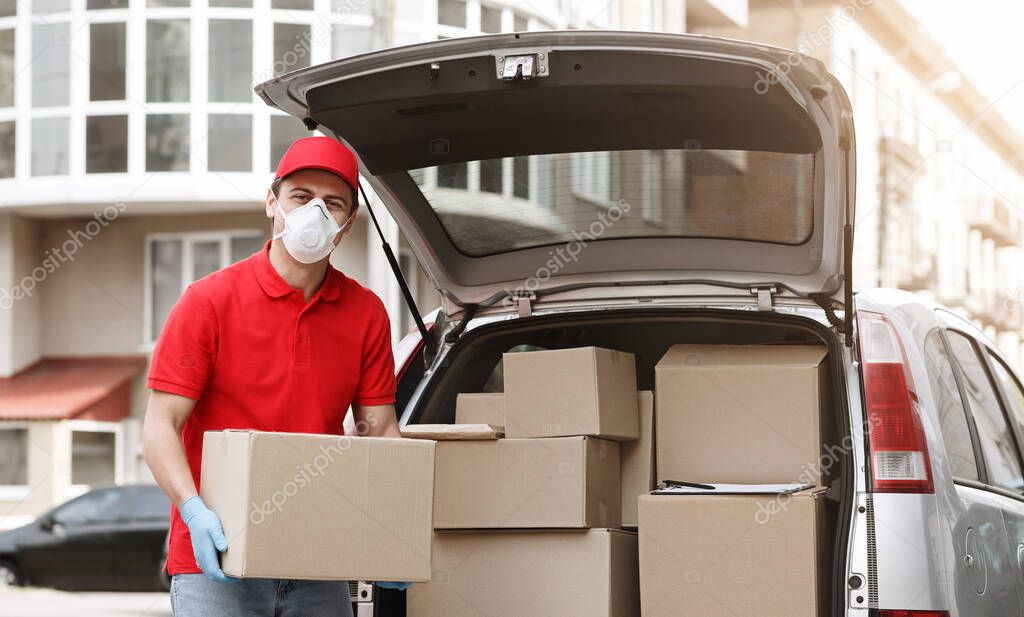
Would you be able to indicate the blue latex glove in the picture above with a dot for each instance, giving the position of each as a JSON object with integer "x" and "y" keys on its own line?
{"x": 207, "y": 538}
{"x": 392, "y": 585}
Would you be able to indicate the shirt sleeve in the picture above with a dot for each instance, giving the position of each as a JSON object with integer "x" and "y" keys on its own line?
{"x": 185, "y": 351}
{"x": 377, "y": 378}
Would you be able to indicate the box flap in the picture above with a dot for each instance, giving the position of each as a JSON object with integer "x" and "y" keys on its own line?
{"x": 453, "y": 432}
{"x": 674, "y": 488}
{"x": 717, "y": 356}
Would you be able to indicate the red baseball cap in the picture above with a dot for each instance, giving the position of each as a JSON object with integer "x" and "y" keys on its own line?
{"x": 320, "y": 153}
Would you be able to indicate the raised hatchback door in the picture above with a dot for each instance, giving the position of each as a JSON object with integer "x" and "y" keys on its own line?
{"x": 598, "y": 164}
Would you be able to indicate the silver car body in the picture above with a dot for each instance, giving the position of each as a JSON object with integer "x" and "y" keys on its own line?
{"x": 957, "y": 550}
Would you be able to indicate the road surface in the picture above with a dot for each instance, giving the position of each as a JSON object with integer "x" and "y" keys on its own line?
{"x": 48, "y": 603}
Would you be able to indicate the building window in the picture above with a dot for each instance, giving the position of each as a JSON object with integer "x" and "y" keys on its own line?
{"x": 521, "y": 177}
{"x": 8, "y": 8}
{"x": 291, "y": 47}
{"x": 93, "y": 457}
{"x": 349, "y": 40}
{"x": 159, "y": 3}
{"x": 592, "y": 176}
{"x": 229, "y": 140}
{"x": 94, "y": 5}
{"x": 49, "y": 146}
{"x": 13, "y": 457}
{"x": 520, "y": 23}
{"x": 7, "y": 149}
{"x": 453, "y": 176}
{"x": 410, "y": 271}
{"x": 167, "y": 57}
{"x": 490, "y": 19}
{"x": 232, "y": 3}
{"x": 492, "y": 176}
{"x": 106, "y": 144}
{"x": 51, "y": 57}
{"x": 653, "y": 172}
{"x": 283, "y": 131}
{"x": 106, "y": 62}
{"x": 167, "y": 142}
{"x": 7, "y": 68}
{"x": 174, "y": 261}
{"x": 451, "y": 13}
{"x": 292, "y": 5}
{"x": 230, "y": 60}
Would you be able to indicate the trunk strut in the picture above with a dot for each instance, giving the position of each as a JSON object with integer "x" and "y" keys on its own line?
{"x": 429, "y": 344}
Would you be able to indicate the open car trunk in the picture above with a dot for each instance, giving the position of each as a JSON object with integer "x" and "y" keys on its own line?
{"x": 474, "y": 364}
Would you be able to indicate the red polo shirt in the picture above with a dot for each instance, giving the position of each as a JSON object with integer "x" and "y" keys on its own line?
{"x": 254, "y": 355}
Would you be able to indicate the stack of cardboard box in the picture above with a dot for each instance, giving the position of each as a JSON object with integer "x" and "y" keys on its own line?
{"x": 746, "y": 415}
{"x": 530, "y": 524}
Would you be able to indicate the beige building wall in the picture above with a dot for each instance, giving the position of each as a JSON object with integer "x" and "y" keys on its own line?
{"x": 49, "y": 477}
{"x": 20, "y": 290}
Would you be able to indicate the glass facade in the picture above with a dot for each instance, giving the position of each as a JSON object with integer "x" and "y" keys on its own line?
{"x": 167, "y": 144}
{"x": 117, "y": 91}
{"x": 50, "y": 148}
{"x": 106, "y": 144}
{"x": 167, "y": 60}
{"x": 107, "y": 61}
{"x": 230, "y": 68}
{"x": 51, "y": 64}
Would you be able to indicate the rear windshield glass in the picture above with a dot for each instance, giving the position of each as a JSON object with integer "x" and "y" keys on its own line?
{"x": 497, "y": 205}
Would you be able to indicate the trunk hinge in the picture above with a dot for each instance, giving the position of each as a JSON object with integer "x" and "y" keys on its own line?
{"x": 524, "y": 302}
{"x": 765, "y": 296}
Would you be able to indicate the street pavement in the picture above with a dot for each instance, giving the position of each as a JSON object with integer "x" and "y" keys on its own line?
{"x": 48, "y": 603}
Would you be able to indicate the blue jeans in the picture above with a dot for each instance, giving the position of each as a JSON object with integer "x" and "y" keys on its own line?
{"x": 194, "y": 595}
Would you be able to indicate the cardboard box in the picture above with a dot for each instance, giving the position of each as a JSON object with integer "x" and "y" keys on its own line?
{"x": 549, "y": 573}
{"x": 527, "y": 483}
{"x": 322, "y": 507}
{"x": 578, "y": 391}
{"x": 480, "y": 408}
{"x": 732, "y": 555}
{"x": 638, "y": 460}
{"x": 452, "y": 432}
{"x": 746, "y": 414}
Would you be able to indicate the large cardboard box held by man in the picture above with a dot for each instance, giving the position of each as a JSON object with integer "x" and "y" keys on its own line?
{"x": 527, "y": 483}
{"x": 732, "y": 555}
{"x": 576, "y": 391}
{"x": 322, "y": 507}
{"x": 745, "y": 414}
{"x": 545, "y": 573}
{"x": 638, "y": 460}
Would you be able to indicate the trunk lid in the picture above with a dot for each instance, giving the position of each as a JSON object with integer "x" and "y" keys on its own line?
{"x": 613, "y": 165}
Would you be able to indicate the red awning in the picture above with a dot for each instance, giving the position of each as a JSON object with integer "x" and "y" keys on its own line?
{"x": 64, "y": 388}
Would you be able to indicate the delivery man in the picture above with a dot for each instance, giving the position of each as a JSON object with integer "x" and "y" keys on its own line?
{"x": 280, "y": 341}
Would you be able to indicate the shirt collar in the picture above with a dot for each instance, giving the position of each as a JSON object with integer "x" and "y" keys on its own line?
{"x": 276, "y": 287}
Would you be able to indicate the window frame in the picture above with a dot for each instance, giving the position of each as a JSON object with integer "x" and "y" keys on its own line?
{"x": 990, "y": 356}
{"x": 18, "y": 492}
{"x": 981, "y": 465}
{"x": 96, "y": 426}
{"x": 977, "y": 346}
{"x": 188, "y": 239}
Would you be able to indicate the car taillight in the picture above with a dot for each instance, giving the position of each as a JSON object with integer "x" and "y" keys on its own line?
{"x": 899, "y": 450}
{"x": 905, "y": 613}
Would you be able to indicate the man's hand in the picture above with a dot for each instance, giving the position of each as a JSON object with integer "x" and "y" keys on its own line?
{"x": 376, "y": 420}
{"x": 207, "y": 538}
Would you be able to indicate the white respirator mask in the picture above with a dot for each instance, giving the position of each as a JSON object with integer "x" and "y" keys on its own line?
{"x": 309, "y": 231}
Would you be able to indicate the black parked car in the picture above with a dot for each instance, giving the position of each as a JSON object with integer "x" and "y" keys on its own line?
{"x": 109, "y": 539}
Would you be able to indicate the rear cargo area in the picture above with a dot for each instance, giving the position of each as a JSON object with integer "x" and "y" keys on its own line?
{"x": 475, "y": 367}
